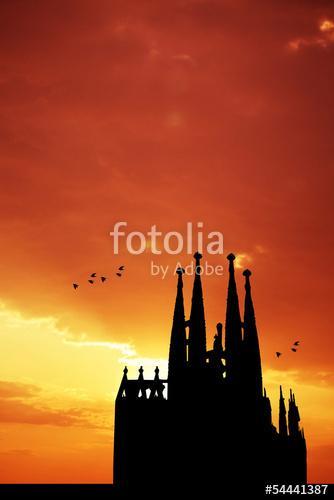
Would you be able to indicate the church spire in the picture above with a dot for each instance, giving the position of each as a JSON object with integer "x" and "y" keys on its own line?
{"x": 178, "y": 350}
{"x": 282, "y": 427}
{"x": 233, "y": 337}
{"x": 251, "y": 350}
{"x": 197, "y": 334}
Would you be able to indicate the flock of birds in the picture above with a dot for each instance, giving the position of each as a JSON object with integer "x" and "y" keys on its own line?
{"x": 93, "y": 277}
{"x": 294, "y": 348}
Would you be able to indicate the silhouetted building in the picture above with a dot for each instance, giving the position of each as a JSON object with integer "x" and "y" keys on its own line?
{"x": 208, "y": 427}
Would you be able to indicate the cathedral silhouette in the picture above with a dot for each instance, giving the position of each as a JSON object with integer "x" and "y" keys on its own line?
{"x": 208, "y": 427}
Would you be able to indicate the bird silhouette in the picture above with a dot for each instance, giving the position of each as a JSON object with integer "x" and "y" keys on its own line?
{"x": 93, "y": 275}
{"x": 91, "y": 281}
{"x": 119, "y": 274}
{"x": 297, "y": 343}
{"x": 293, "y": 349}
{"x": 278, "y": 354}
{"x": 103, "y": 279}
{"x": 121, "y": 268}
{"x": 75, "y": 286}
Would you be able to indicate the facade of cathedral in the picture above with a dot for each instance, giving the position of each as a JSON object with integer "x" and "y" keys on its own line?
{"x": 208, "y": 427}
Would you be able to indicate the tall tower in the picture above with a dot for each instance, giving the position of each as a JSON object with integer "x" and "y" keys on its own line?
{"x": 251, "y": 351}
{"x": 233, "y": 336}
{"x": 178, "y": 344}
{"x": 197, "y": 333}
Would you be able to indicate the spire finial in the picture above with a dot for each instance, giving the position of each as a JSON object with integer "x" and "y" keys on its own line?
{"x": 179, "y": 272}
{"x": 125, "y": 371}
{"x": 141, "y": 370}
{"x": 231, "y": 258}
{"x": 197, "y": 257}
{"x": 280, "y": 392}
{"x": 156, "y": 371}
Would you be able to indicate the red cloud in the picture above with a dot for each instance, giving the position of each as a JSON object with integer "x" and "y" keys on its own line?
{"x": 15, "y": 409}
{"x": 10, "y": 390}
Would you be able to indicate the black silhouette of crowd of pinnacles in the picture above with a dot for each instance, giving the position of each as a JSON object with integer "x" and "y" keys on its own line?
{"x": 212, "y": 432}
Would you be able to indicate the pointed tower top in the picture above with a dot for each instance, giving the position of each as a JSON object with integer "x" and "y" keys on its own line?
{"x": 124, "y": 383}
{"x": 197, "y": 332}
{"x": 141, "y": 370}
{"x": 252, "y": 358}
{"x": 198, "y": 256}
{"x": 264, "y": 392}
{"x": 180, "y": 271}
{"x": 294, "y": 416}
{"x": 177, "y": 360}
{"x": 156, "y": 371}
{"x": 283, "y": 429}
{"x": 247, "y": 273}
{"x": 233, "y": 334}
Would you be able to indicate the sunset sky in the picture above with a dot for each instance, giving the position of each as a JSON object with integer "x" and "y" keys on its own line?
{"x": 157, "y": 113}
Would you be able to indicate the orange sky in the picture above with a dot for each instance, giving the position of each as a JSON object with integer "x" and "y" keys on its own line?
{"x": 157, "y": 113}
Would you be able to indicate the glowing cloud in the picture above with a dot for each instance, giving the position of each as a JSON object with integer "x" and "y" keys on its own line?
{"x": 321, "y": 40}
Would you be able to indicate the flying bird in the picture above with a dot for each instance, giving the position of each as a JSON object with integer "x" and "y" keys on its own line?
{"x": 297, "y": 342}
{"x": 293, "y": 349}
{"x": 278, "y": 354}
{"x": 119, "y": 274}
{"x": 121, "y": 268}
{"x": 103, "y": 278}
{"x": 93, "y": 275}
{"x": 75, "y": 286}
{"x": 91, "y": 281}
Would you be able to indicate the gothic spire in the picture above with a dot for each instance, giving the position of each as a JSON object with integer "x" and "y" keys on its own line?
{"x": 283, "y": 430}
{"x": 251, "y": 350}
{"x": 233, "y": 337}
{"x": 197, "y": 334}
{"x": 178, "y": 350}
{"x": 293, "y": 416}
{"x": 122, "y": 388}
